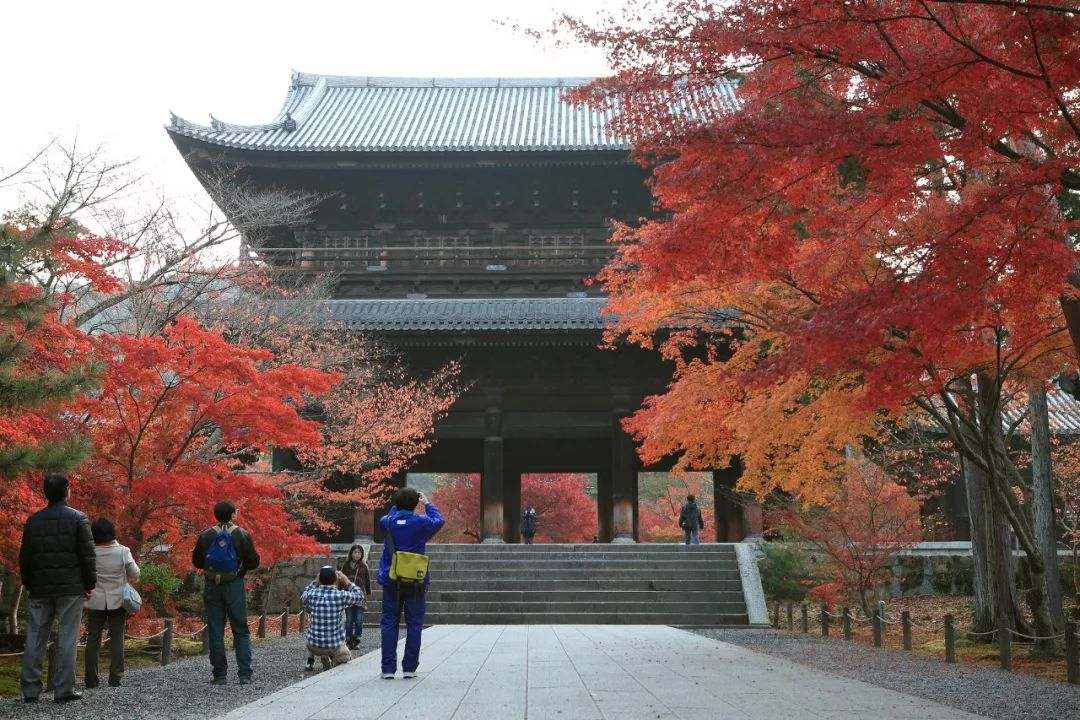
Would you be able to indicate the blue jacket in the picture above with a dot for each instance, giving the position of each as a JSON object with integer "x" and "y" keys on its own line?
{"x": 411, "y": 533}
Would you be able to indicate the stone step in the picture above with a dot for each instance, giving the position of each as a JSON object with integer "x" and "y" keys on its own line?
{"x": 689, "y": 566}
{"x": 615, "y": 605}
{"x": 639, "y": 549}
{"x": 599, "y": 574}
{"x": 608, "y": 585}
{"x": 592, "y": 596}
{"x": 590, "y": 618}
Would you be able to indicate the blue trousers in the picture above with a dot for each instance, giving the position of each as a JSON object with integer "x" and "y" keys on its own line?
{"x": 692, "y": 533}
{"x": 68, "y": 613}
{"x": 221, "y": 601}
{"x": 354, "y": 621}
{"x": 414, "y": 604}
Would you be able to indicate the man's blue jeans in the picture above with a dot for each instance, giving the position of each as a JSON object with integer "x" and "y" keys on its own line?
{"x": 227, "y": 600}
{"x": 414, "y": 603}
{"x": 68, "y": 613}
{"x": 354, "y": 621}
{"x": 692, "y": 533}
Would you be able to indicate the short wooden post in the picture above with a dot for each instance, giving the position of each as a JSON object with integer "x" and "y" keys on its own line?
{"x": 303, "y": 619}
{"x": 847, "y": 624}
{"x": 776, "y": 615}
{"x": 261, "y": 632}
{"x": 905, "y": 626}
{"x": 285, "y": 622}
{"x": 166, "y": 642}
{"x": 790, "y": 621}
{"x": 1005, "y": 648}
{"x": 805, "y": 620}
{"x": 824, "y": 620}
{"x": 950, "y": 639}
{"x": 205, "y": 640}
{"x": 1072, "y": 654}
{"x": 875, "y": 624}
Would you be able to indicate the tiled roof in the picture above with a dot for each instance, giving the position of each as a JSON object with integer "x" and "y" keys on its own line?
{"x": 1064, "y": 411}
{"x": 468, "y": 314}
{"x": 369, "y": 114}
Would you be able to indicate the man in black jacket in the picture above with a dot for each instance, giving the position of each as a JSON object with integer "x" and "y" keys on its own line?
{"x": 57, "y": 565}
{"x": 224, "y": 595}
{"x": 691, "y": 521}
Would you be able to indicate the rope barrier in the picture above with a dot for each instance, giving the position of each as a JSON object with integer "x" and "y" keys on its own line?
{"x": 1035, "y": 637}
{"x": 979, "y": 634}
{"x": 147, "y": 637}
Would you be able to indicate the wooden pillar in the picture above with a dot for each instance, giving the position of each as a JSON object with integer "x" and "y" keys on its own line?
{"x": 604, "y": 505}
{"x": 363, "y": 524}
{"x": 512, "y": 505}
{"x": 623, "y": 483}
{"x": 738, "y": 516}
{"x": 491, "y": 480}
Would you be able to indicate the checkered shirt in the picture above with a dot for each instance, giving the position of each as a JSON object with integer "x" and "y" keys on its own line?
{"x": 326, "y": 626}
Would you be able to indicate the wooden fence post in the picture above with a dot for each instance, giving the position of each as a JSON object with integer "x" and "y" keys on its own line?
{"x": 50, "y": 654}
{"x": 1072, "y": 654}
{"x": 875, "y": 625}
{"x": 285, "y": 622}
{"x": 950, "y": 640}
{"x": 166, "y": 642}
{"x": 261, "y": 632}
{"x": 303, "y": 620}
{"x": 205, "y": 640}
{"x": 824, "y": 620}
{"x": 805, "y": 620}
{"x": 776, "y": 615}
{"x": 905, "y": 626}
{"x": 1005, "y": 649}
{"x": 847, "y": 624}
{"x": 790, "y": 621}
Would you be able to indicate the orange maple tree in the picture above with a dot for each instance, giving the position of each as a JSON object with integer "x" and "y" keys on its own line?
{"x": 566, "y": 511}
{"x": 876, "y": 195}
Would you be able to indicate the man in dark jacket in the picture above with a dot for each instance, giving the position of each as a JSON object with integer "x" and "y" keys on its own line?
{"x": 225, "y": 553}
{"x": 56, "y": 561}
{"x": 691, "y": 521}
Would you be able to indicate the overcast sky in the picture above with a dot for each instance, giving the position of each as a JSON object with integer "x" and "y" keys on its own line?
{"x": 110, "y": 71}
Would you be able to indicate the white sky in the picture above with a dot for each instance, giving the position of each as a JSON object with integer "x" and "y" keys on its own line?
{"x": 110, "y": 71}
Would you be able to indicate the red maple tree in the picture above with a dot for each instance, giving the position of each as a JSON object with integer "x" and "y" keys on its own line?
{"x": 174, "y": 422}
{"x": 877, "y": 194}
{"x": 566, "y": 511}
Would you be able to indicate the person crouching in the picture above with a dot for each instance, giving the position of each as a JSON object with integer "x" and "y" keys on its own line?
{"x": 326, "y": 600}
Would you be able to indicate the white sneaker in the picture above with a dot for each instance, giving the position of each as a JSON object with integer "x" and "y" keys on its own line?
{"x": 408, "y": 674}
{"x": 388, "y": 676}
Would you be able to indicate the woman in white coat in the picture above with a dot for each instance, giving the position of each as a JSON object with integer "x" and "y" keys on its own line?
{"x": 115, "y": 566}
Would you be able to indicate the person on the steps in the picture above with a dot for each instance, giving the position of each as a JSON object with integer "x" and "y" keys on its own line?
{"x": 356, "y": 570}
{"x": 691, "y": 521}
{"x": 411, "y": 522}
{"x": 529, "y": 521}
{"x": 115, "y": 568}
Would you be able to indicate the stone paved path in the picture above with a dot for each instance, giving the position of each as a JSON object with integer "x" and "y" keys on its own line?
{"x": 586, "y": 672}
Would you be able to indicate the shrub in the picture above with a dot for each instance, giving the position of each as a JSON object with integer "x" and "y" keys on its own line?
{"x": 157, "y": 585}
{"x": 786, "y": 571}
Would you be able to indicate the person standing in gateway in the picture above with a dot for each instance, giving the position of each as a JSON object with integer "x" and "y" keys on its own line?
{"x": 691, "y": 521}
{"x": 225, "y": 553}
{"x": 411, "y": 522}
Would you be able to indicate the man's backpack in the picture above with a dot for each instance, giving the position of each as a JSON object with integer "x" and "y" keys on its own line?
{"x": 222, "y": 562}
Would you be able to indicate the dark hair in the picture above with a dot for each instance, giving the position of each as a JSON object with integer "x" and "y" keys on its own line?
{"x": 327, "y": 575}
{"x": 103, "y": 530}
{"x": 690, "y": 498}
{"x": 56, "y": 487}
{"x": 224, "y": 511}
{"x": 406, "y": 498}
{"x": 356, "y": 547}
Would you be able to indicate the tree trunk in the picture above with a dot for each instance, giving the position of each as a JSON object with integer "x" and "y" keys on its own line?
{"x": 985, "y": 615}
{"x": 999, "y": 479}
{"x": 1042, "y": 482}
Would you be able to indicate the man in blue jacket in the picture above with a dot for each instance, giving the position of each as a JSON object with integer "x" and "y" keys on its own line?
{"x": 410, "y": 527}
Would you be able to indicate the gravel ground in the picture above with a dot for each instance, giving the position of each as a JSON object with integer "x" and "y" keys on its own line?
{"x": 182, "y": 690}
{"x": 983, "y": 691}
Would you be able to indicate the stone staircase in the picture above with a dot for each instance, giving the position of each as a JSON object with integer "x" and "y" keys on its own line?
{"x": 580, "y": 584}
